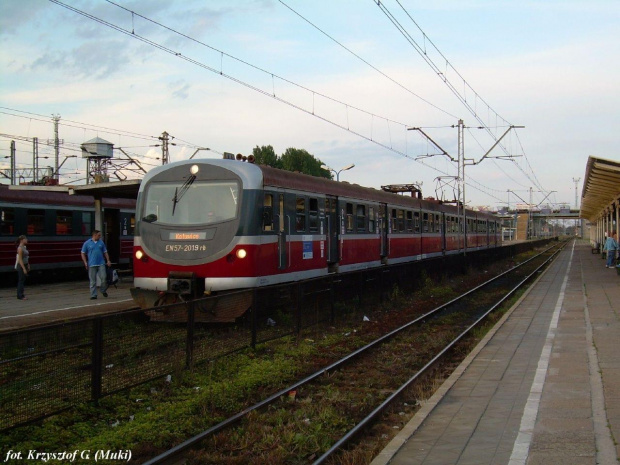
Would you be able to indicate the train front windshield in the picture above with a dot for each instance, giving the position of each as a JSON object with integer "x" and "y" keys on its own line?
{"x": 200, "y": 202}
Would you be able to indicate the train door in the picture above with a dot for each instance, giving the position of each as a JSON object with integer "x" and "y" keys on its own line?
{"x": 487, "y": 227}
{"x": 384, "y": 228}
{"x": 331, "y": 217}
{"x": 112, "y": 233}
{"x": 443, "y": 232}
{"x": 284, "y": 223}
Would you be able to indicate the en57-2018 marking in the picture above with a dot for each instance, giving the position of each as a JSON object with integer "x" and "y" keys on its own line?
{"x": 185, "y": 248}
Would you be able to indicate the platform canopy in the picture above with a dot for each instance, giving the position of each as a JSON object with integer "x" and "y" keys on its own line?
{"x": 117, "y": 189}
{"x": 601, "y": 187}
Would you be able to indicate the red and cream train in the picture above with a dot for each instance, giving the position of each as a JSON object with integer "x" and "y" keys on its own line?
{"x": 57, "y": 224}
{"x": 207, "y": 226}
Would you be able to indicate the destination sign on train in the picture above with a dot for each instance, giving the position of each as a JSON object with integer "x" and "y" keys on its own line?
{"x": 188, "y": 236}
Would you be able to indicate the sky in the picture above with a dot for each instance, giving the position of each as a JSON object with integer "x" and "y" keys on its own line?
{"x": 345, "y": 80}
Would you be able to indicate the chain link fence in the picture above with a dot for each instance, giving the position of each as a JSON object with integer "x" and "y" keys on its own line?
{"x": 46, "y": 370}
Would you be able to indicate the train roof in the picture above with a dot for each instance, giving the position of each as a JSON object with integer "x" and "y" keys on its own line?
{"x": 303, "y": 182}
{"x": 256, "y": 176}
{"x": 50, "y": 197}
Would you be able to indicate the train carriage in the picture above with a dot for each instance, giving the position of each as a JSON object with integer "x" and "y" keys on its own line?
{"x": 208, "y": 226}
{"x": 57, "y": 224}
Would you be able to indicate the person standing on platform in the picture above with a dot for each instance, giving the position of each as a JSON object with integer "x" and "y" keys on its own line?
{"x": 22, "y": 265}
{"x": 95, "y": 257}
{"x": 611, "y": 245}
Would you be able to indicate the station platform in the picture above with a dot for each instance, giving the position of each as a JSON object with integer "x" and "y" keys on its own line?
{"x": 543, "y": 387}
{"x": 57, "y": 302}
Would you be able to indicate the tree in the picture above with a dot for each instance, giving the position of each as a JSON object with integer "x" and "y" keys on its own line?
{"x": 300, "y": 160}
{"x": 265, "y": 155}
{"x": 291, "y": 160}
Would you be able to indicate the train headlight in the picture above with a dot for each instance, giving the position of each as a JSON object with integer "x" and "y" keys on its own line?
{"x": 241, "y": 253}
{"x": 139, "y": 254}
{"x": 194, "y": 170}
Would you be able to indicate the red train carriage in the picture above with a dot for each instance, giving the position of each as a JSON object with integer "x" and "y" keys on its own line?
{"x": 57, "y": 224}
{"x": 217, "y": 225}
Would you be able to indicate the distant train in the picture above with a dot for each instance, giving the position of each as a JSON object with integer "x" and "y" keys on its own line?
{"x": 57, "y": 224}
{"x": 206, "y": 226}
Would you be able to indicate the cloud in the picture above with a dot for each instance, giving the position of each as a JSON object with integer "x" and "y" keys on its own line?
{"x": 96, "y": 59}
{"x": 180, "y": 89}
{"x": 15, "y": 14}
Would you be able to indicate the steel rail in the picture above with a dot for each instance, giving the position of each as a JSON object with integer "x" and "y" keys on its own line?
{"x": 172, "y": 455}
{"x": 378, "y": 410}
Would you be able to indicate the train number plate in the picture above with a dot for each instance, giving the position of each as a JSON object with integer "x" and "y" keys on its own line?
{"x": 174, "y": 248}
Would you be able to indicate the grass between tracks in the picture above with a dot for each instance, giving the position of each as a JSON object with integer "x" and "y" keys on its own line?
{"x": 152, "y": 418}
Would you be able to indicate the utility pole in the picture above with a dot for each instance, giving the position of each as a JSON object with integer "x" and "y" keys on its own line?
{"x": 35, "y": 158}
{"x": 530, "y": 219}
{"x": 12, "y": 162}
{"x": 164, "y": 147}
{"x": 56, "y": 120}
{"x": 576, "y": 181}
{"x": 461, "y": 177}
{"x": 461, "y": 162}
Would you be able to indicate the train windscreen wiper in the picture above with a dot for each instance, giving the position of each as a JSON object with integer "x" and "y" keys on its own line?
{"x": 178, "y": 194}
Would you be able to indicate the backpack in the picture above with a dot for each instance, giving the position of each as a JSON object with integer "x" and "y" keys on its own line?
{"x": 111, "y": 276}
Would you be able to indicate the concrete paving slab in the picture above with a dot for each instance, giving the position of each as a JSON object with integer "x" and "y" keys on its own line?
{"x": 571, "y": 319}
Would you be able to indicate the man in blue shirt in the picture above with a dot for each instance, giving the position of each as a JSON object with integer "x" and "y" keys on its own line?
{"x": 95, "y": 257}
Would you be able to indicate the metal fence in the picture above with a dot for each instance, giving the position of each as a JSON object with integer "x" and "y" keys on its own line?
{"x": 46, "y": 370}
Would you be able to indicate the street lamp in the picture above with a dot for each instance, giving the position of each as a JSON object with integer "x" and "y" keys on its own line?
{"x": 325, "y": 167}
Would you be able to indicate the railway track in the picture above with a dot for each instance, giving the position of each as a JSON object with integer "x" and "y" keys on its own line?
{"x": 356, "y": 390}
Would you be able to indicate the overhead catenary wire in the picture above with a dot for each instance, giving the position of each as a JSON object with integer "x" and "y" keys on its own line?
{"x": 77, "y": 124}
{"x": 443, "y": 74}
{"x": 268, "y": 93}
{"x": 402, "y": 86}
{"x": 222, "y": 54}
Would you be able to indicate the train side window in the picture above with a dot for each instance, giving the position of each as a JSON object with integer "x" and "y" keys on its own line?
{"x": 300, "y": 217}
{"x": 401, "y": 220}
{"x": 416, "y": 222}
{"x": 87, "y": 223}
{"x": 361, "y": 218}
{"x": 425, "y": 222}
{"x": 7, "y": 221}
{"x": 371, "y": 219}
{"x": 313, "y": 215}
{"x": 330, "y": 205}
{"x": 409, "y": 221}
{"x": 394, "y": 221}
{"x": 349, "y": 217}
{"x": 64, "y": 222}
{"x": 36, "y": 222}
{"x": 268, "y": 213}
{"x": 437, "y": 224}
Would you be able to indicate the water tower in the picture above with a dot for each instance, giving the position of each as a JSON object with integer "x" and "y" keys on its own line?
{"x": 98, "y": 153}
